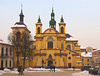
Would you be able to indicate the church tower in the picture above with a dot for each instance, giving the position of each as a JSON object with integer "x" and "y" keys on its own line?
{"x": 18, "y": 30}
{"x": 52, "y": 22}
{"x": 62, "y": 26}
{"x": 39, "y": 26}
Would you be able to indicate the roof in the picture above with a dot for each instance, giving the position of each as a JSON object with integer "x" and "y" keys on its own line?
{"x": 68, "y": 35}
{"x": 96, "y": 50}
{"x": 5, "y": 43}
{"x": 88, "y": 54}
{"x": 20, "y": 25}
{"x": 71, "y": 39}
{"x": 72, "y": 51}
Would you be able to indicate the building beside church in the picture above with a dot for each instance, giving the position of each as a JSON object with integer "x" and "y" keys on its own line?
{"x": 87, "y": 58}
{"x": 96, "y": 57}
{"x": 52, "y": 46}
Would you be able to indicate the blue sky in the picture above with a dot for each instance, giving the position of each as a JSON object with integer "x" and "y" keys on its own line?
{"x": 81, "y": 16}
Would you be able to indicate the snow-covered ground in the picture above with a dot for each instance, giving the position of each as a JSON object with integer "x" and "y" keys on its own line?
{"x": 40, "y": 69}
{"x": 83, "y": 73}
{"x": 8, "y": 71}
{"x": 27, "y": 70}
{"x": 71, "y": 69}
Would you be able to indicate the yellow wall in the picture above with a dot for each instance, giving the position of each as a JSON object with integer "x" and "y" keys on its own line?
{"x": 87, "y": 63}
{"x": 60, "y": 58}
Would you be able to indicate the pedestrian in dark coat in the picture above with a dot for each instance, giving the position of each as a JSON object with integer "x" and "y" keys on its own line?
{"x": 51, "y": 68}
{"x": 73, "y": 68}
{"x": 19, "y": 69}
{"x": 54, "y": 68}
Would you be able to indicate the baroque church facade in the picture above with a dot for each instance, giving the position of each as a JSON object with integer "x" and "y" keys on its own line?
{"x": 51, "y": 46}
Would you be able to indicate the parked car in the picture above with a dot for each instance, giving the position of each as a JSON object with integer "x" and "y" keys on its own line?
{"x": 85, "y": 68}
{"x": 94, "y": 71}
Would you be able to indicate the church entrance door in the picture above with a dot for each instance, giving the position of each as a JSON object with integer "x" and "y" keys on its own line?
{"x": 50, "y": 62}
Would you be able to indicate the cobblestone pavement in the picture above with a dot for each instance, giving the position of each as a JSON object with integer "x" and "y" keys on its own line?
{"x": 64, "y": 73}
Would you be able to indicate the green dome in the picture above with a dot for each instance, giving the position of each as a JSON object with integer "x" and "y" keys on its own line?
{"x": 52, "y": 22}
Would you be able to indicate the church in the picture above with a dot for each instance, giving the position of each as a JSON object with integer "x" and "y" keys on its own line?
{"x": 51, "y": 46}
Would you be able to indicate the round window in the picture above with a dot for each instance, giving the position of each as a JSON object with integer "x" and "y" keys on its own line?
{"x": 69, "y": 57}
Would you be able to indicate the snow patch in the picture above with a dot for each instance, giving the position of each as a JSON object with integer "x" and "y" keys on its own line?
{"x": 7, "y": 70}
{"x": 39, "y": 69}
{"x": 88, "y": 54}
{"x": 71, "y": 39}
{"x": 71, "y": 69}
{"x": 83, "y": 73}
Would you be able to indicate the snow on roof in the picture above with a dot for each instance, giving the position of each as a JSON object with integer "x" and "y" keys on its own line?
{"x": 16, "y": 25}
{"x": 2, "y": 42}
{"x": 83, "y": 47}
{"x": 96, "y": 50}
{"x": 32, "y": 39}
{"x": 71, "y": 39}
{"x": 86, "y": 47}
{"x": 84, "y": 54}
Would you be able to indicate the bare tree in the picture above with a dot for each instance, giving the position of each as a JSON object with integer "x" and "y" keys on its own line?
{"x": 16, "y": 42}
{"x": 23, "y": 46}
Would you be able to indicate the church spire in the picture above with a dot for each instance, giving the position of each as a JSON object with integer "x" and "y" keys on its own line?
{"x": 21, "y": 16}
{"x": 39, "y": 20}
{"x": 52, "y": 22}
{"x": 62, "y": 20}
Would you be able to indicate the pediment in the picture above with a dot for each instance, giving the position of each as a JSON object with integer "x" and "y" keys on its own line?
{"x": 50, "y": 30}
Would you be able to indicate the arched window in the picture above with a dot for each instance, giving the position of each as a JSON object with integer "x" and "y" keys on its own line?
{"x": 68, "y": 46}
{"x": 38, "y": 30}
{"x": 62, "y": 30}
{"x": 62, "y": 45}
{"x": 50, "y": 43}
{"x": 50, "y": 56}
{"x": 18, "y": 36}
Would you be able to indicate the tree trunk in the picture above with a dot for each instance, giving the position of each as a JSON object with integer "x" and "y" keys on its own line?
{"x": 24, "y": 62}
{"x": 17, "y": 59}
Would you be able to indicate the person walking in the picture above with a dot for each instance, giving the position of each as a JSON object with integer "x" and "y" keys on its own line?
{"x": 51, "y": 68}
{"x": 21, "y": 70}
{"x": 73, "y": 68}
{"x": 54, "y": 68}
